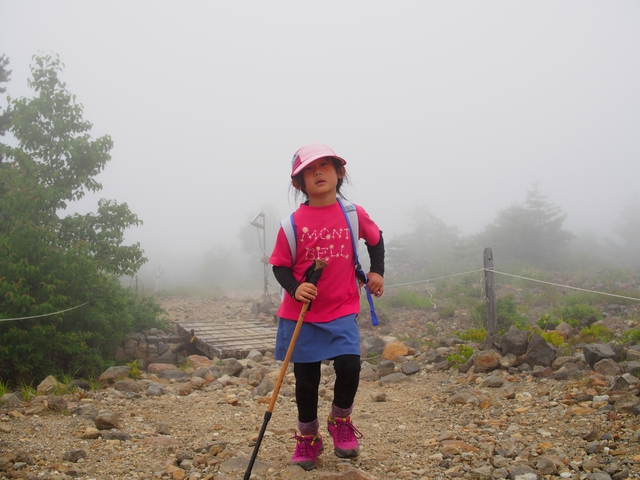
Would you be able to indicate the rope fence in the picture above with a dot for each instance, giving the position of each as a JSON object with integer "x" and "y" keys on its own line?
{"x": 403, "y": 285}
{"x": 514, "y": 276}
{"x": 43, "y": 315}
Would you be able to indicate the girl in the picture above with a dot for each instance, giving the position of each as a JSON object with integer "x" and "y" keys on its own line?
{"x": 330, "y": 330}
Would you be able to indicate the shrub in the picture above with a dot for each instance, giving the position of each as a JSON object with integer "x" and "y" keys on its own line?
{"x": 473, "y": 335}
{"x": 574, "y": 313}
{"x": 554, "y": 338}
{"x": 507, "y": 315}
{"x": 596, "y": 333}
{"x": 632, "y": 336}
{"x": 461, "y": 356}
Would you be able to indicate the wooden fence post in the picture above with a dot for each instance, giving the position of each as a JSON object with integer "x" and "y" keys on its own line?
{"x": 490, "y": 292}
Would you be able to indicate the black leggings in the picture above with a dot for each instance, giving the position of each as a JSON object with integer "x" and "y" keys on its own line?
{"x": 308, "y": 381}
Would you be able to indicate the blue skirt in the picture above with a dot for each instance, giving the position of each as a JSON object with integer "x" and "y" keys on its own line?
{"x": 318, "y": 341}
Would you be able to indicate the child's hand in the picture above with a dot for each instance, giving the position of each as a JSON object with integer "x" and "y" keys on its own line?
{"x": 376, "y": 284}
{"x": 306, "y": 292}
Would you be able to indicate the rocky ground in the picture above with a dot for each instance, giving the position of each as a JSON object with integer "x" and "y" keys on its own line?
{"x": 433, "y": 424}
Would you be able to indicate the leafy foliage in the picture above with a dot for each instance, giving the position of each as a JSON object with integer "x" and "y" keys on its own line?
{"x": 429, "y": 247}
{"x": 596, "y": 333}
{"x": 574, "y": 313}
{"x": 461, "y": 356}
{"x": 629, "y": 230}
{"x": 473, "y": 335}
{"x": 507, "y": 314}
{"x": 4, "y": 77}
{"x": 632, "y": 336}
{"x": 53, "y": 263}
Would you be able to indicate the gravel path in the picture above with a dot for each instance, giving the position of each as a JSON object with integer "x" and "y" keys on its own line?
{"x": 431, "y": 425}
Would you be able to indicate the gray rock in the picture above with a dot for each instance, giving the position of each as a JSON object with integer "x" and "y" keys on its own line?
{"x": 116, "y": 435}
{"x": 522, "y": 472}
{"x": 626, "y": 403}
{"x": 106, "y": 420}
{"x": 619, "y": 384}
{"x": 493, "y": 342}
{"x": 373, "y": 344}
{"x": 393, "y": 378}
{"x": 515, "y": 341}
{"x": 57, "y": 403}
{"x": 255, "y": 356}
{"x": 386, "y": 367}
{"x": 155, "y": 389}
{"x": 129, "y": 385}
{"x": 493, "y": 381}
{"x": 633, "y": 368}
{"x": 607, "y": 366}
{"x": 539, "y": 352}
{"x": 369, "y": 374}
{"x": 482, "y": 473}
{"x": 594, "y": 352}
{"x": 265, "y": 386}
{"x": 231, "y": 367}
{"x": 177, "y": 375}
{"x": 74, "y": 455}
{"x": 113, "y": 374}
{"x": 598, "y": 476}
{"x": 86, "y": 410}
{"x": 410, "y": 368}
{"x": 162, "y": 348}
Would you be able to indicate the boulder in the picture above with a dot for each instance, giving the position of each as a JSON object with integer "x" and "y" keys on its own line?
{"x": 539, "y": 352}
{"x": 515, "y": 341}
{"x": 594, "y": 352}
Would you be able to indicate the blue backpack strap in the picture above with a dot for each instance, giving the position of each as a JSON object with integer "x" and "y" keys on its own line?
{"x": 351, "y": 215}
{"x": 289, "y": 229}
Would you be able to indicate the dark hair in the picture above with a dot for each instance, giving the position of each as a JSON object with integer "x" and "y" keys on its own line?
{"x": 297, "y": 182}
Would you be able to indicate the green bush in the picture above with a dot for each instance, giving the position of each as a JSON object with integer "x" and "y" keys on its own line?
{"x": 81, "y": 342}
{"x": 575, "y": 312}
{"x": 507, "y": 315}
{"x": 473, "y": 335}
{"x": 553, "y": 337}
{"x": 632, "y": 336}
{"x": 596, "y": 333}
{"x": 461, "y": 356}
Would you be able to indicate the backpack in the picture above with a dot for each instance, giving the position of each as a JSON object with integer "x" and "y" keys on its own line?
{"x": 351, "y": 216}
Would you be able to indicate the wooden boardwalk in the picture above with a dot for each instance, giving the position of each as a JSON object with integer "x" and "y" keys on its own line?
{"x": 223, "y": 338}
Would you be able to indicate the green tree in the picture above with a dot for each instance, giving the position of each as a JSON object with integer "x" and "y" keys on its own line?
{"x": 431, "y": 247}
{"x": 4, "y": 78}
{"x": 628, "y": 229}
{"x": 531, "y": 233}
{"x": 50, "y": 262}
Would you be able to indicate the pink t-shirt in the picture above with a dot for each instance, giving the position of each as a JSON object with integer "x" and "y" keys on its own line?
{"x": 323, "y": 233}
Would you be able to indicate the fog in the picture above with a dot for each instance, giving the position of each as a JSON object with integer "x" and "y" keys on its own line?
{"x": 460, "y": 106}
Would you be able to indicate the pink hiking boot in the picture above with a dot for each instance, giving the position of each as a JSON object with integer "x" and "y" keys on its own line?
{"x": 308, "y": 447}
{"x": 345, "y": 436}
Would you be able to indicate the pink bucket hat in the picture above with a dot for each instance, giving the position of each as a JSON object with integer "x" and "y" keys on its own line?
{"x": 307, "y": 154}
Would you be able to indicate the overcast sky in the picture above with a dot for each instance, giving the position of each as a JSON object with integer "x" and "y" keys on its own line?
{"x": 457, "y": 105}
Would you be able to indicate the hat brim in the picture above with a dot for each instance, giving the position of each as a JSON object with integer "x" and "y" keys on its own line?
{"x": 313, "y": 158}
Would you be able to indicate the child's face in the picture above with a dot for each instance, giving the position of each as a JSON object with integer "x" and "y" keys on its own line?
{"x": 320, "y": 178}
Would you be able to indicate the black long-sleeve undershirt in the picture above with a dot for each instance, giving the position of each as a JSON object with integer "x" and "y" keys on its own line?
{"x": 284, "y": 275}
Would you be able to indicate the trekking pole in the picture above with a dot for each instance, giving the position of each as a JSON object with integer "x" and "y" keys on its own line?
{"x": 313, "y": 278}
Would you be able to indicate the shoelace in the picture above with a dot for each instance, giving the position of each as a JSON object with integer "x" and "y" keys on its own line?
{"x": 306, "y": 441}
{"x": 346, "y": 429}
